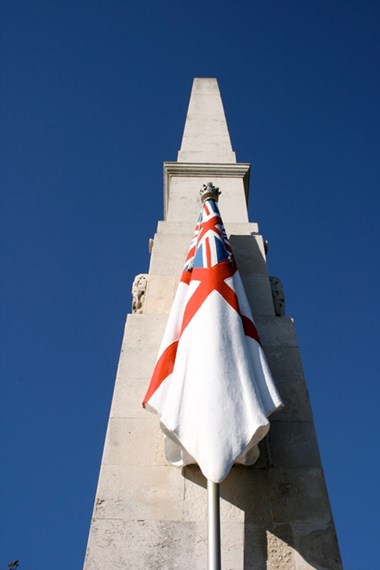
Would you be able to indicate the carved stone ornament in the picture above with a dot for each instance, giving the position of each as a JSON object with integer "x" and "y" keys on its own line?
{"x": 278, "y": 296}
{"x": 138, "y": 292}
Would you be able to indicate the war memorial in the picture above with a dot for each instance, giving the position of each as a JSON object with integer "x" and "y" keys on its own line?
{"x": 148, "y": 514}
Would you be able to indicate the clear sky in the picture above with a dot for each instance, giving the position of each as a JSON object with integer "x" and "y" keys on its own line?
{"x": 93, "y": 99}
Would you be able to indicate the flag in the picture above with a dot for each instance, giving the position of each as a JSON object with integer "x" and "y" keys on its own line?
{"x": 211, "y": 385}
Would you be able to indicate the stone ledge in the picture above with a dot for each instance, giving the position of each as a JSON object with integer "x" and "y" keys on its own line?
{"x": 204, "y": 170}
{"x": 238, "y": 228}
{"x": 249, "y": 252}
{"x": 143, "y": 329}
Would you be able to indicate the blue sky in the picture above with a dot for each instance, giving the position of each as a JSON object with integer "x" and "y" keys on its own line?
{"x": 93, "y": 99}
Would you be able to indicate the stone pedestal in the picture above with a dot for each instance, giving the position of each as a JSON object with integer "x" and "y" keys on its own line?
{"x": 150, "y": 515}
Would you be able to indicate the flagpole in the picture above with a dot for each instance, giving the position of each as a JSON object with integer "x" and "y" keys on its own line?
{"x": 214, "y": 550}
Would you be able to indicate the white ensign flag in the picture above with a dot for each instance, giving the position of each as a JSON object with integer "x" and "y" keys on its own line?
{"x": 211, "y": 385}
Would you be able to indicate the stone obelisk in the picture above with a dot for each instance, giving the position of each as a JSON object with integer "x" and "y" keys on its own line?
{"x": 150, "y": 515}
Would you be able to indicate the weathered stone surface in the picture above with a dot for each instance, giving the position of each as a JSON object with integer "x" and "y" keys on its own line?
{"x": 160, "y": 293}
{"x": 159, "y": 545}
{"x": 138, "y": 360}
{"x": 127, "y": 398}
{"x": 184, "y": 203}
{"x": 232, "y": 203}
{"x": 169, "y": 253}
{"x": 159, "y": 452}
{"x": 176, "y": 174}
{"x": 144, "y": 330}
{"x": 286, "y": 367}
{"x": 255, "y": 546}
{"x": 249, "y": 253}
{"x": 135, "y": 492}
{"x": 316, "y": 547}
{"x": 298, "y": 495}
{"x": 206, "y": 137}
{"x": 290, "y": 547}
{"x": 142, "y": 338}
{"x": 187, "y": 227}
{"x": 245, "y": 490}
{"x": 280, "y": 551}
{"x": 177, "y": 226}
{"x": 195, "y": 503}
{"x": 276, "y": 331}
{"x": 293, "y": 444}
{"x": 131, "y": 441}
{"x": 241, "y": 229}
{"x": 259, "y": 295}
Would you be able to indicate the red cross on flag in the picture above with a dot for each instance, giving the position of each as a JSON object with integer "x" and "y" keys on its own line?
{"x": 211, "y": 384}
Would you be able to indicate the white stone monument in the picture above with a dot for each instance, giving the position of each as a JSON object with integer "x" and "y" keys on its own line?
{"x": 150, "y": 515}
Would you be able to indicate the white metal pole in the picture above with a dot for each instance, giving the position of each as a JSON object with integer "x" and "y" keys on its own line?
{"x": 214, "y": 550}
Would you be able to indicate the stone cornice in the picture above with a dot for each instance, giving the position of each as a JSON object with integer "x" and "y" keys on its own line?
{"x": 205, "y": 170}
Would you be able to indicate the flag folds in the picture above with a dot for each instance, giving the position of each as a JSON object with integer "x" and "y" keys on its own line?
{"x": 211, "y": 384}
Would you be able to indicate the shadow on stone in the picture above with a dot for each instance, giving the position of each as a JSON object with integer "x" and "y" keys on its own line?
{"x": 287, "y": 521}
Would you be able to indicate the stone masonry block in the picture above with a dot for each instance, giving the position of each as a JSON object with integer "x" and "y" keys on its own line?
{"x": 185, "y": 204}
{"x": 169, "y": 253}
{"x": 232, "y": 202}
{"x": 246, "y": 490}
{"x": 286, "y": 367}
{"x": 285, "y": 546}
{"x": 142, "y": 339}
{"x": 195, "y": 499}
{"x": 276, "y": 331}
{"x": 137, "y": 362}
{"x": 136, "y": 492}
{"x": 298, "y": 495}
{"x": 177, "y": 227}
{"x": 160, "y": 293}
{"x": 269, "y": 547}
{"x": 127, "y": 397}
{"x": 249, "y": 254}
{"x": 259, "y": 294}
{"x": 293, "y": 444}
{"x": 146, "y": 330}
{"x": 255, "y": 546}
{"x": 316, "y": 546}
{"x": 159, "y": 452}
{"x": 180, "y": 227}
{"x": 159, "y": 545}
{"x": 131, "y": 441}
{"x": 280, "y": 552}
{"x": 239, "y": 229}
{"x": 184, "y": 200}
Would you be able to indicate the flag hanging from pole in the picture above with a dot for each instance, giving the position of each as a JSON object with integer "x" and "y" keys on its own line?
{"x": 211, "y": 384}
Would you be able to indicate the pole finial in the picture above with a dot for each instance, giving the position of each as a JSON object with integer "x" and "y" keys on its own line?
{"x": 209, "y": 192}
